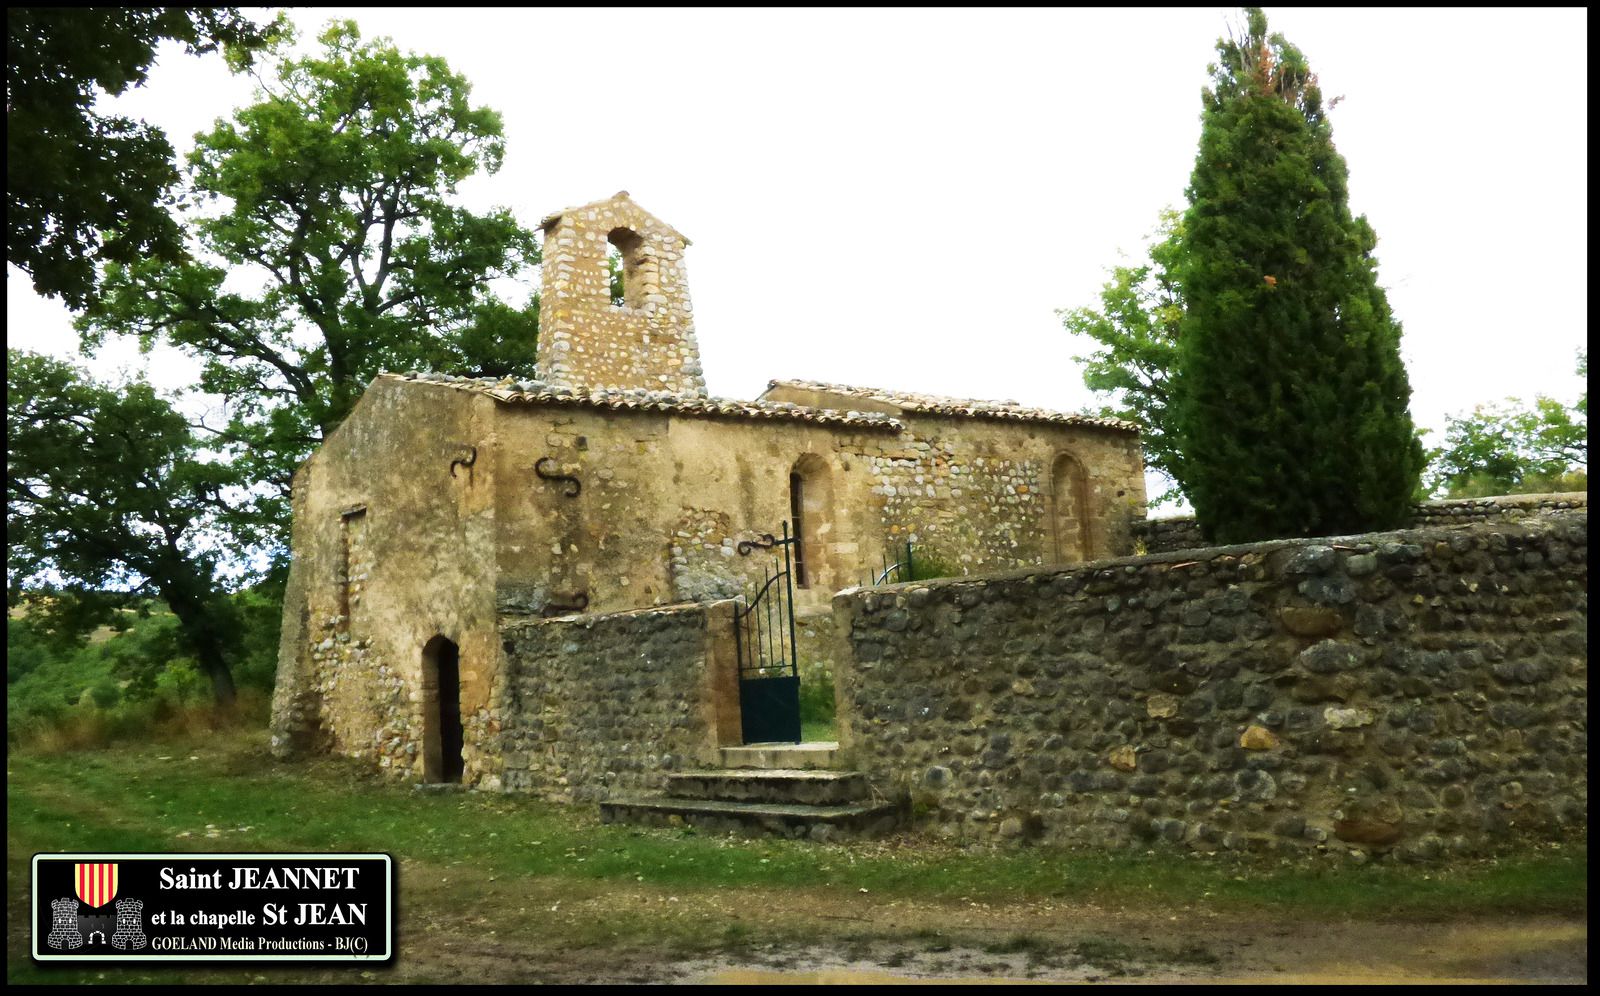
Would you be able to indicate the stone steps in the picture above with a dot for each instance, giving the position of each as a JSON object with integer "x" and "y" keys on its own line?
{"x": 777, "y": 819}
{"x": 790, "y": 790}
{"x": 782, "y": 757}
{"x": 778, "y": 785}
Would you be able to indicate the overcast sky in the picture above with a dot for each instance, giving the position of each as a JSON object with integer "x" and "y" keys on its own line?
{"x": 903, "y": 198}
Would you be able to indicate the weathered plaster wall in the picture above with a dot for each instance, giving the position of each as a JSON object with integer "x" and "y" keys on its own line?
{"x": 664, "y": 501}
{"x": 1183, "y": 533}
{"x": 369, "y": 588}
{"x": 1424, "y": 691}
{"x": 599, "y": 704}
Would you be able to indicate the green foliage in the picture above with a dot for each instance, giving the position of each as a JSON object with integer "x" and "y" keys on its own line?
{"x": 614, "y": 275}
{"x": 1290, "y": 395}
{"x": 1515, "y": 448}
{"x": 82, "y": 186}
{"x": 334, "y": 194}
{"x": 111, "y": 499}
{"x": 137, "y": 669}
{"x": 1135, "y": 330}
{"x": 817, "y": 707}
{"x": 927, "y": 565}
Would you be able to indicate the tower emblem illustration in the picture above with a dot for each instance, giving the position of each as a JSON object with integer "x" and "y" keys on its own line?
{"x": 95, "y": 884}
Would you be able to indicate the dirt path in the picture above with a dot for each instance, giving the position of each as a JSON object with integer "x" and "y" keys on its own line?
{"x": 559, "y": 932}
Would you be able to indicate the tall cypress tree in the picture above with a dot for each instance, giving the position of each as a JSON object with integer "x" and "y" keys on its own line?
{"x": 1290, "y": 395}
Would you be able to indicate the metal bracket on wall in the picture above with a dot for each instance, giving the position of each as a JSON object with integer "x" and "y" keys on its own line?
{"x": 575, "y": 602}
{"x": 466, "y": 461}
{"x": 573, "y": 484}
{"x": 766, "y": 541}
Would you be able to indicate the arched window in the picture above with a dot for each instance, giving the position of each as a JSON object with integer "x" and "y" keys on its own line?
{"x": 441, "y": 712}
{"x": 1069, "y": 513}
{"x": 811, "y": 516}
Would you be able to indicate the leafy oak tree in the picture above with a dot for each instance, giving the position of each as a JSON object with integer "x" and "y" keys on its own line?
{"x": 1290, "y": 394}
{"x": 1516, "y": 448}
{"x": 112, "y": 500}
{"x": 1135, "y": 331}
{"x": 81, "y": 186}
{"x": 326, "y": 246}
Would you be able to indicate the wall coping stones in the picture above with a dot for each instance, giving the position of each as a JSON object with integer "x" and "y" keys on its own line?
{"x": 933, "y": 404}
{"x": 1176, "y": 533}
{"x": 1394, "y": 545}
{"x": 537, "y": 392}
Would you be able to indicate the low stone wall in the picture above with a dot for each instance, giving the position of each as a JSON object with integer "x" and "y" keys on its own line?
{"x": 1458, "y": 510}
{"x": 1179, "y": 532}
{"x": 1183, "y": 532}
{"x": 1423, "y": 691}
{"x": 600, "y": 704}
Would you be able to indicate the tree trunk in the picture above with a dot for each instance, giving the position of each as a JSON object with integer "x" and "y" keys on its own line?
{"x": 221, "y": 678}
{"x": 200, "y": 619}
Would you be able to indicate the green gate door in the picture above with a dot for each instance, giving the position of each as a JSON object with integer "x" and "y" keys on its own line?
{"x": 763, "y": 632}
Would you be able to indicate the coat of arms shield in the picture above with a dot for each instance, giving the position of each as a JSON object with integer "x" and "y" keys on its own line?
{"x": 96, "y": 884}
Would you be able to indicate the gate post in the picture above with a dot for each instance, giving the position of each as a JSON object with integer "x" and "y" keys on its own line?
{"x": 722, "y": 673}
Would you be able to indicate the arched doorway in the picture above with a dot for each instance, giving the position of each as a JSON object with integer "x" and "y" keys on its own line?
{"x": 811, "y": 512}
{"x": 1069, "y": 490}
{"x": 441, "y": 711}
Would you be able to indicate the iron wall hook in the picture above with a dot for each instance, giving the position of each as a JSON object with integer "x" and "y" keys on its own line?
{"x": 574, "y": 486}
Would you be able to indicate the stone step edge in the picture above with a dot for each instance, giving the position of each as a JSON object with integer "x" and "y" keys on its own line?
{"x": 771, "y": 774}
{"x": 673, "y": 804}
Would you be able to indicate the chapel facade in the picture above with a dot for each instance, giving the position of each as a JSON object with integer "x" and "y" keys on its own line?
{"x": 445, "y": 510}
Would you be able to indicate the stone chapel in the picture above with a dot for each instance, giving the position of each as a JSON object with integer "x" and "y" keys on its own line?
{"x": 449, "y": 521}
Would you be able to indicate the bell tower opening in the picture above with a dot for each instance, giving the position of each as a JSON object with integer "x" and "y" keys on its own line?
{"x": 627, "y": 264}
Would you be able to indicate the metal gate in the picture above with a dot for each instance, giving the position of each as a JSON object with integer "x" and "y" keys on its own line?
{"x": 763, "y": 633}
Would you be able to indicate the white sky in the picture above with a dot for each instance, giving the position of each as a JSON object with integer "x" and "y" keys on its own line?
{"x": 903, "y": 198}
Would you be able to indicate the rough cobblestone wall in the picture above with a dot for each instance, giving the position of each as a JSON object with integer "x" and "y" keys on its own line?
{"x": 585, "y": 340}
{"x": 1423, "y": 692}
{"x": 601, "y": 704}
{"x": 976, "y": 498}
{"x": 979, "y": 511}
{"x": 1183, "y": 533}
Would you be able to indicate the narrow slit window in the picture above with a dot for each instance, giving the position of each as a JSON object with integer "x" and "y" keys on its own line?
{"x": 351, "y": 525}
{"x": 796, "y": 504}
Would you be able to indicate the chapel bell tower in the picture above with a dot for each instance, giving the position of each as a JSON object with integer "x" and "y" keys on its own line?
{"x": 594, "y": 336}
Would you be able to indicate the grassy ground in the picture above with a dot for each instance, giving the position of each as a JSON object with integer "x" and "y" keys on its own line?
{"x": 617, "y": 895}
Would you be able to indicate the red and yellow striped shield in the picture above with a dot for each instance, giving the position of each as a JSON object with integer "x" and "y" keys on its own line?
{"x": 95, "y": 884}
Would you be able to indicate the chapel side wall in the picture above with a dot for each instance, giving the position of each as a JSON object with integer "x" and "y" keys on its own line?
{"x": 368, "y": 590}
{"x": 661, "y": 506}
{"x": 977, "y": 494}
{"x": 1423, "y": 690}
{"x": 663, "y": 501}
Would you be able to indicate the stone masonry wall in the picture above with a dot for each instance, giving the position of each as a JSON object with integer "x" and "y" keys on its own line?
{"x": 1183, "y": 533}
{"x": 1423, "y": 692}
{"x": 600, "y": 704}
{"x": 646, "y": 342}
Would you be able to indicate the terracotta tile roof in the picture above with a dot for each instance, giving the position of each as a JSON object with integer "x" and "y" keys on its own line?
{"x": 537, "y": 392}
{"x": 932, "y": 404}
